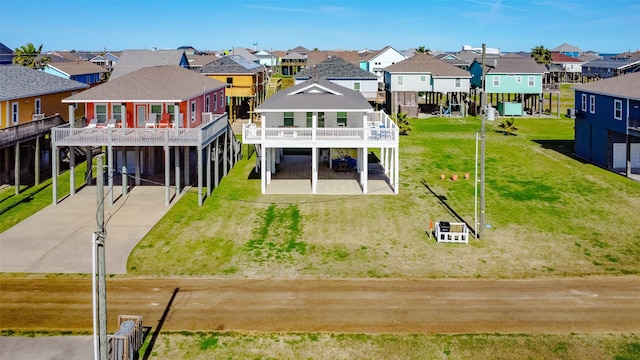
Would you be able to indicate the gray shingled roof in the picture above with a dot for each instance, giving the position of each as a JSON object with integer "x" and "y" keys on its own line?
{"x": 319, "y": 95}
{"x": 566, "y": 48}
{"x": 17, "y": 82}
{"x": 171, "y": 83}
{"x": 81, "y": 67}
{"x": 423, "y": 63}
{"x": 612, "y": 63}
{"x": 294, "y": 56}
{"x": 626, "y": 86}
{"x": 132, "y": 60}
{"x": 515, "y": 64}
{"x": 234, "y": 64}
{"x": 335, "y": 68}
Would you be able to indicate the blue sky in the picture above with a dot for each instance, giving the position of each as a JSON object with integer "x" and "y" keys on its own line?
{"x": 607, "y": 26}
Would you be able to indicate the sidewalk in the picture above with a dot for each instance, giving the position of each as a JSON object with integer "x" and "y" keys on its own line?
{"x": 58, "y": 238}
{"x": 46, "y": 347}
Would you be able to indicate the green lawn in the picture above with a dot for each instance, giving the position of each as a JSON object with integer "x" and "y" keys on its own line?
{"x": 550, "y": 215}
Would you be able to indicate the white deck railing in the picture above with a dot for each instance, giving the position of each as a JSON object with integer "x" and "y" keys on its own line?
{"x": 201, "y": 135}
{"x": 379, "y": 130}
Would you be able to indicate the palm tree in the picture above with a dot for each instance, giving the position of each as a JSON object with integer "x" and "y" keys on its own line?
{"x": 423, "y": 50}
{"x": 541, "y": 55}
{"x": 29, "y": 56}
{"x": 402, "y": 120}
{"x": 508, "y": 126}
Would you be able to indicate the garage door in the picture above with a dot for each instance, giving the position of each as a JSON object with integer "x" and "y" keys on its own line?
{"x": 620, "y": 155}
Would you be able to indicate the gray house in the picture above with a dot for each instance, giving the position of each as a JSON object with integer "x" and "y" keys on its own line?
{"x": 343, "y": 73}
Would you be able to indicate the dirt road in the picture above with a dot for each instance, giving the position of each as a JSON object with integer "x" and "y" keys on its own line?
{"x": 592, "y": 305}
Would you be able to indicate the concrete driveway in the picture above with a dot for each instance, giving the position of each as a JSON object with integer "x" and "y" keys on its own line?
{"x": 58, "y": 238}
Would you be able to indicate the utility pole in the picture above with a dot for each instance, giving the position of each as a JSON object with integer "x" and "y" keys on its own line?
{"x": 100, "y": 242}
{"x": 485, "y": 109}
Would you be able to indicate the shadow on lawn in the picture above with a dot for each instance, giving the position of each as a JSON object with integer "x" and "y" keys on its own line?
{"x": 154, "y": 337}
{"x": 564, "y": 147}
{"x": 443, "y": 201}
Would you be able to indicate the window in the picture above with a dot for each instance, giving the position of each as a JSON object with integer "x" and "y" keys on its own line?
{"x": 171, "y": 109}
{"x": 116, "y": 112}
{"x": 207, "y": 104}
{"x": 14, "y": 113}
{"x": 518, "y": 79}
{"x": 617, "y": 109}
{"x": 584, "y": 102}
{"x": 288, "y": 118}
{"x": 309, "y": 119}
{"x": 342, "y": 119}
{"x": 193, "y": 111}
{"x": 156, "y": 109}
{"x": 400, "y": 80}
{"x": 320, "y": 119}
{"x": 531, "y": 81}
{"x": 215, "y": 102}
{"x": 496, "y": 81}
{"x": 423, "y": 78}
{"x": 592, "y": 104}
{"x": 101, "y": 113}
{"x": 230, "y": 80}
{"x": 37, "y": 106}
{"x": 356, "y": 86}
{"x": 457, "y": 82}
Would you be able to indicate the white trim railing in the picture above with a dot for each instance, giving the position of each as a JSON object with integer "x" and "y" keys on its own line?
{"x": 379, "y": 128}
{"x": 199, "y": 136}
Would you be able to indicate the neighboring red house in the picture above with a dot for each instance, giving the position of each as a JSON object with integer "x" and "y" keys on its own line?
{"x": 142, "y": 115}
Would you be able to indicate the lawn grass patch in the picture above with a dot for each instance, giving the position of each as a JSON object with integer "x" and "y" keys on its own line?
{"x": 551, "y": 215}
{"x": 224, "y": 345}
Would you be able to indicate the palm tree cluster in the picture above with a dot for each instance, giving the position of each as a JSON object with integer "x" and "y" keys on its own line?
{"x": 541, "y": 55}
{"x": 29, "y": 56}
{"x": 402, "y": 120}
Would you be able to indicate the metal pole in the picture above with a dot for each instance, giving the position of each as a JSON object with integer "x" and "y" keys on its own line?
{"x": 475, "y": 192}
{"x": 102, "y": 282}
{"x": 482, "y": 140}
{"x": 94, "y": 287}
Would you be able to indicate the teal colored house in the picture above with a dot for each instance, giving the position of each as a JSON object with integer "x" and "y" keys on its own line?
{"x": 510, "y": 75}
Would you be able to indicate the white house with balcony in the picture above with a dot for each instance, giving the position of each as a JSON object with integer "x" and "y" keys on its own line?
{"x": 336, "y": 126}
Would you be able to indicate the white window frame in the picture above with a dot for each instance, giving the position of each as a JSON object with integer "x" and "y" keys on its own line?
{"x": 400, "y": 80}
{"x": 151, "y": 106}
{"x": 356, "y": 86}
{"x": 423, "y": 78}
{"x": 496, "y": 81}
{"x": 106, "y": 112}
{"x": 592, "y": 104}
{"x": 207, "y": 104}
{"x": 531, "y": 81}
{"x": 15, "y": 113}
{"x": 192, "y": 109}
{"x": 458, "y": 83}
{"x": 584, "y": 102}
{"x": 37, "y": 106}
{"x": 617, "y": 111}
{"x": 116, "y": 114}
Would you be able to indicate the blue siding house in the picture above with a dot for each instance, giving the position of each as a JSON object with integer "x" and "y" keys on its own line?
{"x": 607, "y": 127}
{"x": 613, "y": 66}
{"x": 82, "y": 70}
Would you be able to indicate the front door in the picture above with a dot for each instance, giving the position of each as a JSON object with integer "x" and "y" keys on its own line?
{"x": 141, "y": 115}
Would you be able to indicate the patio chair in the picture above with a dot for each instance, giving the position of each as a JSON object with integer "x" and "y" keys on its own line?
{"x": 166, "y": 121}
{"x": 111, "y": 123}
{"x": 151, "y": 122}
{"x": 92, "y": 123}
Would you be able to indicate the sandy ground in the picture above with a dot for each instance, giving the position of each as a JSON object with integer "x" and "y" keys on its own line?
{"x": 585, "y": 305}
